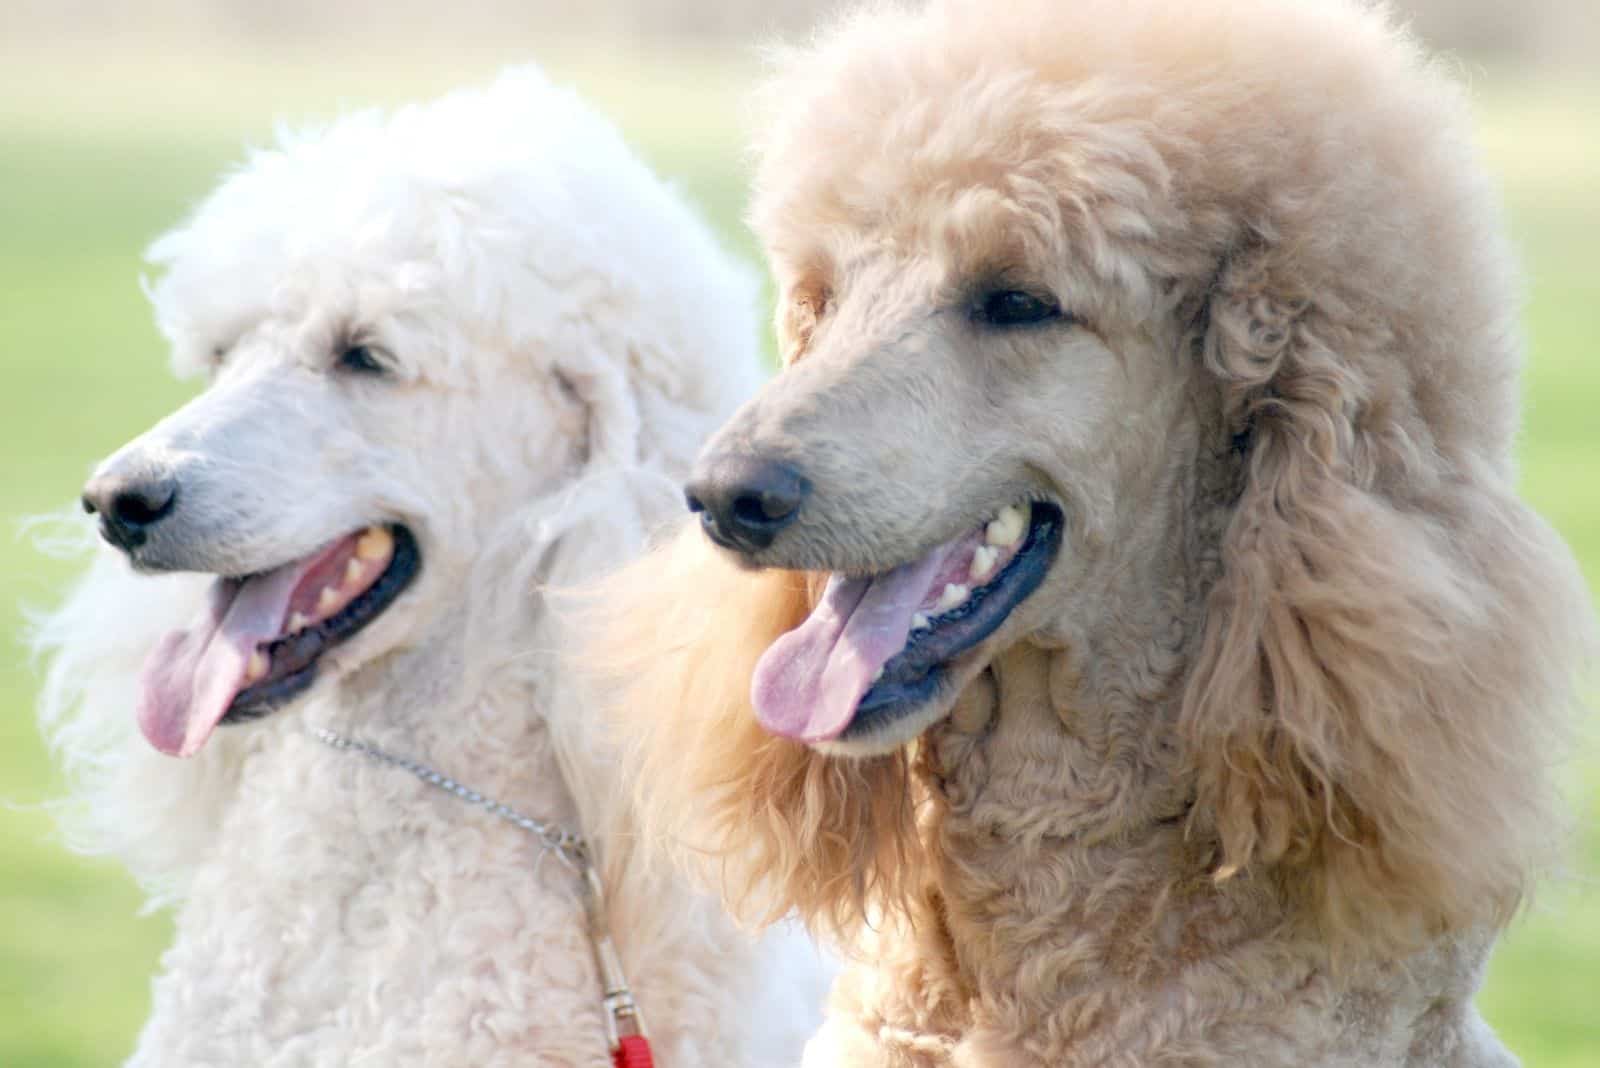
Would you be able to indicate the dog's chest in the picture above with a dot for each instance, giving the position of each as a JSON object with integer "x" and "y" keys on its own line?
{"x": 350, "y": 912}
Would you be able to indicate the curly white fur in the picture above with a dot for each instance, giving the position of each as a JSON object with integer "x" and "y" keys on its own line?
{"x": 560, "y": 333}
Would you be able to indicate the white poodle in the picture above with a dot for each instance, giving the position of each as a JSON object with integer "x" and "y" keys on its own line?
{"x": 456, "y": 356}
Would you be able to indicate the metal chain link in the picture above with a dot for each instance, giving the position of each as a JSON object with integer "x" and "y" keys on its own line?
{"x": 570, "y": 847}
{"x": 624, "y": 1022}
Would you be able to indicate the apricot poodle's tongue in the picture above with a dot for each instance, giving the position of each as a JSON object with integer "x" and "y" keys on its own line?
{"x": 193, "y": 675}
{"x": 809, "y": 682}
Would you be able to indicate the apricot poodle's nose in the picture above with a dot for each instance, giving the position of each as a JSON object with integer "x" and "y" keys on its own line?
{"x": 745, "y": 501}
{"x": 129, "y": 506}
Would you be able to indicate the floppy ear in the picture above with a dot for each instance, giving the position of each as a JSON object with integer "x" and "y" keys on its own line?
{"x": 611, "y": 416}
{"x": 777, "y": 826}
{"x": 1393, "y": 640}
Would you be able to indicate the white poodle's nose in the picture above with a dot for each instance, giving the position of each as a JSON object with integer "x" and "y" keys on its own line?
{"x": 128, "y": 506}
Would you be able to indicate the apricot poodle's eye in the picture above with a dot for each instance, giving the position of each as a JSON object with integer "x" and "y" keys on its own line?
{"x": 1013, "y": 307}
{"x": 361, "y": 360}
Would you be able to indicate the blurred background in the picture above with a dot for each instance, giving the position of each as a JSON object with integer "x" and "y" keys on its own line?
{"x": 115, "y": 118}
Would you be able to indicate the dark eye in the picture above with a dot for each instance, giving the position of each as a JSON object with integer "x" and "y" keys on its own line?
{"x": 1013, "y": 307}
{"x": 359, "y": 359}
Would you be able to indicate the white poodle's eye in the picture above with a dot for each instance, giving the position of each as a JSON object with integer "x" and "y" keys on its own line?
{"x": 361, "y": 360}
{"x": 1013, "y": 307}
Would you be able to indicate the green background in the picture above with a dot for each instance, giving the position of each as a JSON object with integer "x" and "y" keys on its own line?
{"x": 104, "y": 145}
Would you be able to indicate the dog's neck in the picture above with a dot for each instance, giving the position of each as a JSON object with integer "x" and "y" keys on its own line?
{"x": 1055, "y": 833}
{"x": 440, "y": 889}
{"x": 478, "y": 712}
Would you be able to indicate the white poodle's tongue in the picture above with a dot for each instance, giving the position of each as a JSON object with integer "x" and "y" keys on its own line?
{"x": 808, "y": 683}
{"x": 193, "y": 675}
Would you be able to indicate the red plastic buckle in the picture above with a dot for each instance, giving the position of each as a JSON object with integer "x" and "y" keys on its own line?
{"x": 633, "y": 1051}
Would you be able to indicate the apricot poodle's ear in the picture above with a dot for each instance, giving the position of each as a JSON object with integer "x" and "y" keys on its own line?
{"x": 776, "y": 826}
{"x": 1392, "y": 643}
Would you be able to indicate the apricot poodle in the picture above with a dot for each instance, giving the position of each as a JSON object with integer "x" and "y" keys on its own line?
{"x": 1121, "y": 630}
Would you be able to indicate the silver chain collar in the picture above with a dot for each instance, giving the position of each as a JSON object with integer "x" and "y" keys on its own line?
{"x": 622, "y": 1015}
{"x": 565, "y": 844}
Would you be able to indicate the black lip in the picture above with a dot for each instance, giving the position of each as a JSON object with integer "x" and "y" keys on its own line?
{"x": 916, "y": 675}
{"x": 294, "y": 658}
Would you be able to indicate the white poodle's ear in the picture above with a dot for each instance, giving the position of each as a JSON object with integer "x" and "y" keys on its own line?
{"x": 611, "y": 412}
{"x": 1391, "y": 643}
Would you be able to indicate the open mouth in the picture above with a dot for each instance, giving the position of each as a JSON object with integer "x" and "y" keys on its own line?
{"x": 878, "y": 648}
{"x": 258, "y": 643}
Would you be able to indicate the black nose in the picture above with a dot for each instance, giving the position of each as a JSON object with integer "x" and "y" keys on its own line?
{"x": 744, "y": 501}
{"x": 128, "y": 507}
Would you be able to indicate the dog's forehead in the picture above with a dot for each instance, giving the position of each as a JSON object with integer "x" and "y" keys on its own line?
{"x": 291, "y": 307}
{"x": 948, "y": 125}
{"x": 1010, "y": 184}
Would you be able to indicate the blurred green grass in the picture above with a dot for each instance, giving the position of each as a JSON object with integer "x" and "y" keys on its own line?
{"x": 99, "y": 154}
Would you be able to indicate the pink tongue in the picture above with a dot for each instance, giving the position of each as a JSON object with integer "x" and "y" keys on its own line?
{"x": 193, "y": 676}
{"x": 808, "y": 683}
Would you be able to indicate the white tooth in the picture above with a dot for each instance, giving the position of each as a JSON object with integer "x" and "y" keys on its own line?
{"x": 298, "y": 621}
{"x": 953, "y": 595}
{"x": 375, "y": 544}
{"x": 353, "y": 571}
{"x": 257, "y": 668}
{"x": 920, "y": 621}
{"x": 1008, "y": 526}
{"x": 327, "y": 600}
{"x": 877, "y": 675}
{"x": 983, "y": 561}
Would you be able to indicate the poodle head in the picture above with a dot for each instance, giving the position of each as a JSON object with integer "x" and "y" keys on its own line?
{"x": 409, "y": 346}
{"x": 1181, "y": 338}
{"x": 434, "y": 315}
{"x": 450, "y": 353}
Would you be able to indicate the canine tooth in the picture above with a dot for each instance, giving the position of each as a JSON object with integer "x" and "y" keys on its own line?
{"x": 920, "y": 621}
{"x": 877, "y": 675}
{"x": 983, "y": 561}
{"x": 353, "y": 572}
{"x": 1007, "y": 528}
{"x": 298, "y": 621}
{"x": 375, "y": 544}
{"x": 953, "y": 595}
{"x": 327, "y": 600}
{"x": 257, "y": 668}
